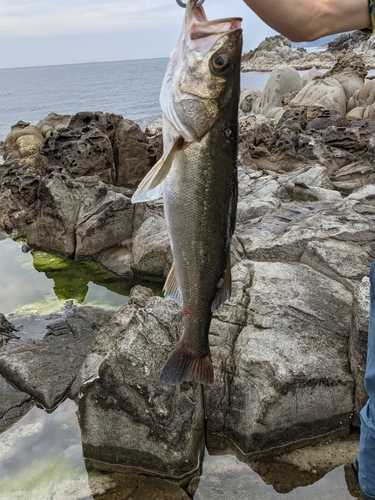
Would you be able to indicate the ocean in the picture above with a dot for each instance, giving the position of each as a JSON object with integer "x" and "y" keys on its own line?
{"x": 128, "y": 88}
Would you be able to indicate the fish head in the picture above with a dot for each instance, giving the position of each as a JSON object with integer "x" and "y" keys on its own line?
{"x": 203, "y": 73}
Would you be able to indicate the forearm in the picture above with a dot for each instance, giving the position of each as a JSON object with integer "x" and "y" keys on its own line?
{"x": 301, "y": 20}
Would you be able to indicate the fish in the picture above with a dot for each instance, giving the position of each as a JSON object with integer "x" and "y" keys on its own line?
{"x": 197, "y": 177}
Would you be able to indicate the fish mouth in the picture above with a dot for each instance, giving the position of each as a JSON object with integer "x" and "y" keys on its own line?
{"x": 200, "y": 33}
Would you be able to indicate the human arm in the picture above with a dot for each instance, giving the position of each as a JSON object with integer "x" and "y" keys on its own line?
{"x": 303, "y": 20}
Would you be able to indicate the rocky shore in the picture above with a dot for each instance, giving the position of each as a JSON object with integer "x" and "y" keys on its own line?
{"x": 278, "y": 50}
{"x": 288, "y": 348}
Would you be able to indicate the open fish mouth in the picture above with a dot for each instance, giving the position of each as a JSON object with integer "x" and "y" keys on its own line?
{"x": 198, "y": 28}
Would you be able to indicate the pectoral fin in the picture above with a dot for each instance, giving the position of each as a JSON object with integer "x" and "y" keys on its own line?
{"x": 224, "y": 286}
{"x": 151, "y": 187}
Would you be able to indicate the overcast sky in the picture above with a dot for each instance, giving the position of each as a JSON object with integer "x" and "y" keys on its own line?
{"x": 41, "y": 32}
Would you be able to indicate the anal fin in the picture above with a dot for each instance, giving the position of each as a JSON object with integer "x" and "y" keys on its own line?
{"x": 225, "y": 289}
{"x": 171, "y": 287}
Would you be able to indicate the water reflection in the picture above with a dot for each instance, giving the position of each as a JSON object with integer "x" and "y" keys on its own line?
{"x": 41, "y": 458}
{"x": 37, "y": 283}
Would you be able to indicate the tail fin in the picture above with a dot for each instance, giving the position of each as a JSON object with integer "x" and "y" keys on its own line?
{"x": 184, "y": 365}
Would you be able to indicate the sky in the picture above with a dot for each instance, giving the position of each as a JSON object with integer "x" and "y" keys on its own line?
{"x": 41, "y": 32}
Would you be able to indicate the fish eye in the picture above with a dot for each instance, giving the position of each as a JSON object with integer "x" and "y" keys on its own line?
{"x": 220, "y": 63}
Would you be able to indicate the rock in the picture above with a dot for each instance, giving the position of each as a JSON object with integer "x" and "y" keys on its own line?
{"x": 358, "y": 343}
{"x": 346, "y": 42}
{"x": 281, "y": 81}
{"x": 287, "y": 335}
{"x": 147, "y": 426}
{"x": 327, "y": 93}
{"x": 58, "y": 208}
{"x": 45, "y": 371}
{"x": 132, "y": 157}
{"x": 10, "y": 143}
{"x": 81, "y": 217}
{"x": 350, "y": 71}
{"x": 138, "y": 487}
{"x": 311, "y": 75}
{"x": 19, "y": 188}
{"x": 103, "y": 223}
{"x": 52, "y": 121}
{"x": 249, "y": 100}
{"x": 342, "y": 261}
{"x": 82, "y": 151}
{"x": 366, "y": 95}
{"x": 14, "y": 404}
{"x": 277, "y": 50}
{"x": 355, "y": 113}
{"x": 6, "y": 330}
{"x": 151, "y": 248}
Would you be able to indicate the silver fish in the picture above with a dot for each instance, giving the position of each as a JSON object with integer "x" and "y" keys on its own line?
{"x": 197, "y": 175}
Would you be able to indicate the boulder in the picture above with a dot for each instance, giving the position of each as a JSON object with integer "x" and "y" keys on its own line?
{"x": 128, "y": 421}
{"x": 327, "y": 93}
{"x": 350, "y": 71}
{"x": 14, "y": 404}
{"x": 281, "y": 81}
{"x": 81, "y": 217}
{"x": 288, "y": 371}
{"x": 45, "y": 371}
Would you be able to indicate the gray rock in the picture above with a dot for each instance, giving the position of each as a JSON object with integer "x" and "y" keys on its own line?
{"x": 46, "y": 370}
{"x": 290, "y": 371}
{"x": 128, "y": 421}
{"x": 14, "y": 404}
{"x": 358, "y": 343}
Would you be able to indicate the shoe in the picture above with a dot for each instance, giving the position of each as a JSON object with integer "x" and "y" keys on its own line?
{"x": 354, "y": 467}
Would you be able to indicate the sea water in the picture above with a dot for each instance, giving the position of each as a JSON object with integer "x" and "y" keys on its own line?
{"x": 128, "y": 88}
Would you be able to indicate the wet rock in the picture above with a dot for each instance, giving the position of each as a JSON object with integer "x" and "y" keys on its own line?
{"x": 7, "y": 330}
{"x": 45, "y": 371}
{"x": 146, "y": 426}
{"x": 14, "y": 404}
{"x": 136, "y": 487}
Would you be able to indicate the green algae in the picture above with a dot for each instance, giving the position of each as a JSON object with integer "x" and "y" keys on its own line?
{"x": 38, "y": 282}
